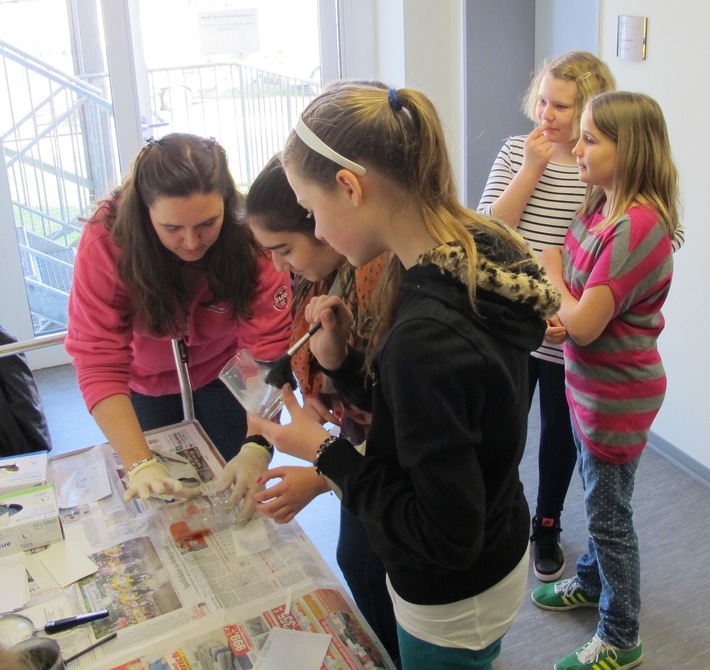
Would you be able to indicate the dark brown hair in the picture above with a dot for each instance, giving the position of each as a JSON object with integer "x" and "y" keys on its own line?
{"x": 272, "y": 200}
{"x": 177, "y": 166}
{"x": 273, "y": 206}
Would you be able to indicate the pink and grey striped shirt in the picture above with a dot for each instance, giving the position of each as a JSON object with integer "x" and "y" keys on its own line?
{"x": 616, "y": 384}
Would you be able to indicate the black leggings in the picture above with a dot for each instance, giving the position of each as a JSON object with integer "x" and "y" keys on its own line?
{"x": 557, "y": 453}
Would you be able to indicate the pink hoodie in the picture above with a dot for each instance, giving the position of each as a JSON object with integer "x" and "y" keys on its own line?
{"x": 111, "y": 356}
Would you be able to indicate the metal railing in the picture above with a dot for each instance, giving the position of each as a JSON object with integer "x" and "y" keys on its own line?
{"x": 59, "y": 144}
{"x": 30, "y": 345}
{"x": 59, "y": 152}
{"x": 248, "y": 110}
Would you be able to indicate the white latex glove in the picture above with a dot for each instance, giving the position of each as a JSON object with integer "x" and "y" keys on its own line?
{"x": 153, "y": 479}
{"x": 242, "y": 471}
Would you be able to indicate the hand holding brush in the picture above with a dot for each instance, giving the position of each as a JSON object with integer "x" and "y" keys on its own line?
{"x": 281, "y": 372}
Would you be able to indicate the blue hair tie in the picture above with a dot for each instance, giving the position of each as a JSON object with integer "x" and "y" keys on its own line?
{"x": 395, "y": 104}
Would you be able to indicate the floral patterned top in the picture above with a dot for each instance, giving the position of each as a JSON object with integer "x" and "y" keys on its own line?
{"x": 355, "y": 286}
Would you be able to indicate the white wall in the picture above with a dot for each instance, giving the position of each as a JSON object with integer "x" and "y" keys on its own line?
{"x": 433, "y": 47}
{"x": 675, "y": 74}
{"x": 414, "y": 43}
{"x": 561, "y": 26}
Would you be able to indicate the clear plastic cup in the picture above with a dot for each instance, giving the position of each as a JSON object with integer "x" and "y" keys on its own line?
{"x": 185, "y": 519}
{"x": 244, "y": 376}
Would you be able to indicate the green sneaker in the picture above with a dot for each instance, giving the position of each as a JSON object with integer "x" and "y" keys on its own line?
{"x": 564, "y": 595}
{"x": 599, "y": 655}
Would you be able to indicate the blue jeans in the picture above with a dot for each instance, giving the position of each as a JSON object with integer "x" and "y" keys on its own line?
{"x": 365, "y": 574}
{"x": 218, "y": 411}
{"x": 417, "y": 654}
{"x": 557, "y": 454}
{"x": 610, "y": 567}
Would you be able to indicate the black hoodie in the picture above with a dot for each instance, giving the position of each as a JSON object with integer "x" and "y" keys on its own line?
{"x": 438, "y": 489}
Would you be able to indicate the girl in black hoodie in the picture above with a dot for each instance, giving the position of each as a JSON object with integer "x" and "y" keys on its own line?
{"x": 461, "y": 306}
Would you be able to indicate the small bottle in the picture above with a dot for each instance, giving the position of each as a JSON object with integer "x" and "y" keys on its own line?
{"x": 199, "y": 516}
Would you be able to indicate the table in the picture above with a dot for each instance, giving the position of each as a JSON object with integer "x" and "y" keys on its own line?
{"x": 193, "y": 605}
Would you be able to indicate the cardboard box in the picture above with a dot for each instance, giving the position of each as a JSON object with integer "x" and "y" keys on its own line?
{"x": 23, "y": 471}
{"x": 29, "y": 519}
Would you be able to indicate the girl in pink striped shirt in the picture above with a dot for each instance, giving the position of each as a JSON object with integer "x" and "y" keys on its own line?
{"x": 614, "y": 274}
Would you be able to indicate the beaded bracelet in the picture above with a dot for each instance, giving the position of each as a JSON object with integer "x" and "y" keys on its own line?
{"x": 139, "y": 465}
{"x": 316, "y": 461}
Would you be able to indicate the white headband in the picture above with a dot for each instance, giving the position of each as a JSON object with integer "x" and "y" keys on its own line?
{"x": 311, "y": 140}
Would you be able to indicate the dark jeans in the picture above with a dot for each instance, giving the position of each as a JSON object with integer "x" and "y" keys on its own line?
{"x": 218, "y": 411}
{"x": 365, "y": 574}
{"x": 557, "y": 452}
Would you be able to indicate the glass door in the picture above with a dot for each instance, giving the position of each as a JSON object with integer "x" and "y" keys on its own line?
{"x": 59, "y": 154}
{"x": 77, "y": 102}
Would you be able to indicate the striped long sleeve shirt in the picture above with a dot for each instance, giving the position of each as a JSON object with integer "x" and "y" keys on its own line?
{"x": 549, "y": 212}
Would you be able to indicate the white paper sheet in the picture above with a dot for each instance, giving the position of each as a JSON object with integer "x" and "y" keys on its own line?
{"x": 13, "y": 577}
{"x": 250, "y": 539}
{"x": 81, "y": 478}
{"x": 62, "y": 562}
{"x": 278, "y": 650}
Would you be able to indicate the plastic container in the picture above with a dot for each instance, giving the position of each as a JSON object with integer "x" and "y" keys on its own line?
{"x": 244, "y": 376}
{"x": 186, "y": 519}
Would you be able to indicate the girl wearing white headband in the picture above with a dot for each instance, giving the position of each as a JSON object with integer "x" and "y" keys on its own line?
{"x": 460, "y": 307}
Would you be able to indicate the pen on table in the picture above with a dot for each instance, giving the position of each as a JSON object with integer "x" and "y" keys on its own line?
{"x": 91, "y": 647}
{"x": 58, "y": 625}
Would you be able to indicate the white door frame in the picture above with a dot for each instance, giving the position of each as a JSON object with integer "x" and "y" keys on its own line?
{"x": 15, "y": 312}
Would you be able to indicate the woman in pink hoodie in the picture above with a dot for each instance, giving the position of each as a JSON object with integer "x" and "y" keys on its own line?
{"x": 165, "y": 257}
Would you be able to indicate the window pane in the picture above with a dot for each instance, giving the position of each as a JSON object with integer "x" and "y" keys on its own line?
{"x": 58, "y": 140}
{"x": 241, "y": 74}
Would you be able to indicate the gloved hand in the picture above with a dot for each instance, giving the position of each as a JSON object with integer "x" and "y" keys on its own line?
{"x": 242, "y": 471}
{"x": 153, "y": 479}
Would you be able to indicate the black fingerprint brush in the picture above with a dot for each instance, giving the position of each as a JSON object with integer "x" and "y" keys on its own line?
{"x": 280, "y": 372}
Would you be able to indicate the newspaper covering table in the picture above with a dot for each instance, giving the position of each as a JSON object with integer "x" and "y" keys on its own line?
{"x": 191, "y": 605}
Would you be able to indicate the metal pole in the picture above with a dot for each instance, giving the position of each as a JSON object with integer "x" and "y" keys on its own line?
{"x": 28, "y": 345}
{"x": 180, "y": 353}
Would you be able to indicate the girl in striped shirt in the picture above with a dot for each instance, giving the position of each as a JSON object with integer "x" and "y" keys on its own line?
{"x": 534, "y": 187}
{"x": 614, "y": 274}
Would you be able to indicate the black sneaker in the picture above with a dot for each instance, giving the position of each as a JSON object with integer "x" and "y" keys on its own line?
{"x": 548, "y": 557}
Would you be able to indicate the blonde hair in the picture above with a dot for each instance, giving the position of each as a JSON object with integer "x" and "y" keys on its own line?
{"x": 590, "y": 75}
{"x": 398, "y": 134}
{"x": 644, "y": 165}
